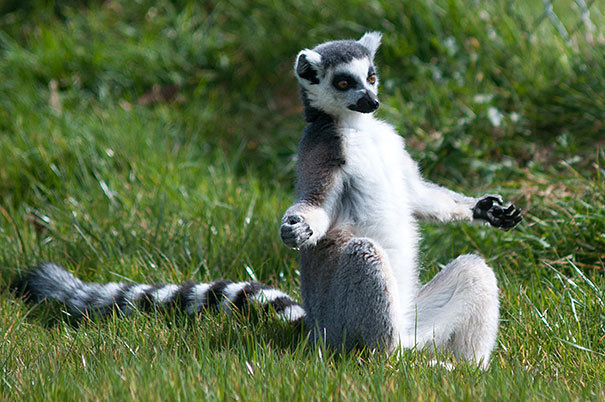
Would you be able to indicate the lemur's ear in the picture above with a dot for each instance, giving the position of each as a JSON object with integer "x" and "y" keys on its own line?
{"x": 307, "y": 66}
{"x": 371, "y": 41}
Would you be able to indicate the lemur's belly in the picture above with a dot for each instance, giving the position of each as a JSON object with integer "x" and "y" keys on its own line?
{"x": 374, "y": 201}
{"x": 379, "y": 210}
{"x": 373, "y": 210}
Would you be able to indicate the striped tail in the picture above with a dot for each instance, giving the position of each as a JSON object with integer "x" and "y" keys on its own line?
{"x": 51, "y": 282}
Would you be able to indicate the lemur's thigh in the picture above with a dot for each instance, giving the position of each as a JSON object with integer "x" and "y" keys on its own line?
{"x": 360, "y": 304}
{"x": 459, "y": 309}
{"x": 367, "y": 296}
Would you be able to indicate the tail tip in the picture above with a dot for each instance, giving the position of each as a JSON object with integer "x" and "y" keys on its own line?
{"x": 25, "y": 285}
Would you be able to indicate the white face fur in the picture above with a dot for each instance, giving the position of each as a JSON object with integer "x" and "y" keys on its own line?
{"x": 344, "y": 88}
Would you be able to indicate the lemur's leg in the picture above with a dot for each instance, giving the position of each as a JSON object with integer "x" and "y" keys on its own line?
{"x": 356, "y": 300}
{"x": 458, "y": 310}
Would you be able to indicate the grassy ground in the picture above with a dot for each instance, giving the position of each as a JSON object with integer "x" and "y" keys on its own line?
{"x": 154, "y": 140}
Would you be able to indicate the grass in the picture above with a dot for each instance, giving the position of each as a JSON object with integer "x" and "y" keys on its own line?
{"x": 154, "y": 141}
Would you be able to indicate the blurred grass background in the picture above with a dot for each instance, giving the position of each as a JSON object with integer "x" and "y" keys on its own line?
{"x": 155, "y": 141}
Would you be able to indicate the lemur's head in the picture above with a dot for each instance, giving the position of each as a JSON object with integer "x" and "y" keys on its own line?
{"x": 339, "y": 77}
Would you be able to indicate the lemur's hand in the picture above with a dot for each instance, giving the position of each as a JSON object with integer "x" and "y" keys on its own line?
{"x": 295, "y": 231}
{"x": 489, "y": 208}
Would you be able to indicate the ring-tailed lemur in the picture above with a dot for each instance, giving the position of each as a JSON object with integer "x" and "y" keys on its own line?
{"x": 359, "y": 195}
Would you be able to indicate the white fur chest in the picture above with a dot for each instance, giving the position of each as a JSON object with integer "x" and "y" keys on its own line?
{"x": 374, "y": 198}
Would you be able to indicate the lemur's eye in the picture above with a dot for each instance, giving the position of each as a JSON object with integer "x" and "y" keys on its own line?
{"x": 372, "y": 79}
{"x": 344, "y": 82}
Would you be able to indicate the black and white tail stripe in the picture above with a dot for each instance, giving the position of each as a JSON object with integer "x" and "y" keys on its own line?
{"x": 51, "y": 282}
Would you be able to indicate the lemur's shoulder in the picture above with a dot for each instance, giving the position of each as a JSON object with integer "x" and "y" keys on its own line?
{"x": 320, "y": 157}
{"x": 321, "y": 146}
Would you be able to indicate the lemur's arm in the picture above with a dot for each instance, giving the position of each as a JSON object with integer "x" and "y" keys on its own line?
{"x": 433, "y": 202}
{"x": 304, "y": 224}
{"x": 318, "y": 187}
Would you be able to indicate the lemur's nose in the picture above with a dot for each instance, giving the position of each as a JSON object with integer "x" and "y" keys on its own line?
{"x": 368, "y": 102}
{"x": 373, "y": 100}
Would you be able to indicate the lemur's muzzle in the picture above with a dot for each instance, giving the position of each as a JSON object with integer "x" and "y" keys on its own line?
{"x": 367, "y": 103}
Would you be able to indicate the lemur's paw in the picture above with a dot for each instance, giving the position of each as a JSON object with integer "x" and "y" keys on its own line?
{"x": 489, "y": 208}
{"x": 295, "y": 231}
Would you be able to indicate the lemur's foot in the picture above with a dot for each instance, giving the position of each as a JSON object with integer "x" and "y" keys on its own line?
{"x": 295, "y": 231}
{"x": 489, "y": 208}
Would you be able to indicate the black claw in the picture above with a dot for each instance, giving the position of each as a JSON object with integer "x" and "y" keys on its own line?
{"x": 493, "y": 198}
{"x": 511, "y": 221}
{"x": 490, "y": 209}
{"x": 293, "y": 233}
